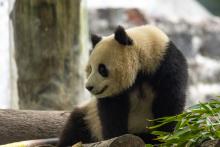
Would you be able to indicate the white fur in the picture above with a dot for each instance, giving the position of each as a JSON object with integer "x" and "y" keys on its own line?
{"x": 125, "y": 61}
{"x": 92, "y": 119}
{"x": 140, "y": 109}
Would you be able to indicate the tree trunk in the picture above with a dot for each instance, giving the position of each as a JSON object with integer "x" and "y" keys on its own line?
{"x": 48, "y": 48}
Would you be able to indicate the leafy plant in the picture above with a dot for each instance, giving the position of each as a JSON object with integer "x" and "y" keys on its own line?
{"x": 196, "y": 124}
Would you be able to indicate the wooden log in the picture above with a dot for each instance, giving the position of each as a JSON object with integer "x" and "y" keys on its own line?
{"x": 211, "y": 143}
{"x": 127, "y": 140}
{"x": 50, "y": 142}
{"x": 20, "y": 125}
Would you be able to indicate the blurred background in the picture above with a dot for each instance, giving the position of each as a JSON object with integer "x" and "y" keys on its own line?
{"x": 44, "y": 45}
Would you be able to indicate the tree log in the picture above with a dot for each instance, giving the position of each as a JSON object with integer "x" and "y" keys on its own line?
{"x": 127, "y": 140}
{"x": 20, "y": 125}
{"x": 211, "y": 143}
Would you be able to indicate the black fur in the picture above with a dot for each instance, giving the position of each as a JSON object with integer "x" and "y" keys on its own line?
{"x": 113, "y": 112}
{"x": 95, "y": 39}
{"x": 169, "y": 82}
{"x": 75, "y": 130}
{"x": 122, "y": 37}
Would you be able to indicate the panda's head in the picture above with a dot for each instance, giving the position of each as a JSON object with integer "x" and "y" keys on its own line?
{"x": 113, "y": 64}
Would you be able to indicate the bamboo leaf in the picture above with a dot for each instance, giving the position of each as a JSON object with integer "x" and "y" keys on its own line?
{"x": 196, "y": 124}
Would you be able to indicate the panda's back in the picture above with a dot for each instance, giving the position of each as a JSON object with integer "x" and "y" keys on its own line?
{"x": 148, "y": 34}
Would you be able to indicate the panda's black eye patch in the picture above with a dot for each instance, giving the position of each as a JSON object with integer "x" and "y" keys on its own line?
{"x": 103, "y": 70}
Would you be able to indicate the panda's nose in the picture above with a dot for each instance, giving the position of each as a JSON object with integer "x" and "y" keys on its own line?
{"x": 89, "y": 88}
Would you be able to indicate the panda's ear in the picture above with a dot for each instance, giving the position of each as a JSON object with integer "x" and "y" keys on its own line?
{"x": 95, "y": 39}
{"x": 122, "y": 37}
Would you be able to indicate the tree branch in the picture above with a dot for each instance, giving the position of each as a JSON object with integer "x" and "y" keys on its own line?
{"x": 20, "y": 125}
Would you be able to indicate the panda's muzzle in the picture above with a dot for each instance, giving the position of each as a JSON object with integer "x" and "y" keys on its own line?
{"x": 100, "y": 92}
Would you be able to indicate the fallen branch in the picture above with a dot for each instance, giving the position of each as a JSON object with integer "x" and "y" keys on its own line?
{"x": 126, "y": 140}
{"x": 211, "y": 143}
{"x": 20, "y": 125}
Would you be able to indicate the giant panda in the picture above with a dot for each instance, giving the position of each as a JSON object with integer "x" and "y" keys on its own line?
{"x": 134, "y": 75}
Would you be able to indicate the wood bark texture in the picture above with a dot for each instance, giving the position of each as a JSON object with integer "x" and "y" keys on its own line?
{"x": 47, "y": 52}
{"x": 20, "y": 125}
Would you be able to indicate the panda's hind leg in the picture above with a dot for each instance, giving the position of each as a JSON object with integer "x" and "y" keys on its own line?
{"x": 75, "y": 129}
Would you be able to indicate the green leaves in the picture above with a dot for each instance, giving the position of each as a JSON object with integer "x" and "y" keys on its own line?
{"x": 149, "y": 145}
{"x": 196, "y": 124}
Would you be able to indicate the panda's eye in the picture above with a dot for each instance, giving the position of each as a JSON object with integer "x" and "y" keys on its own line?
{"x": 103, "y": 70}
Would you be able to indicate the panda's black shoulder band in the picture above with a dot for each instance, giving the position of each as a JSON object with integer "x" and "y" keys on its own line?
{"x": 122, "y": 37}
